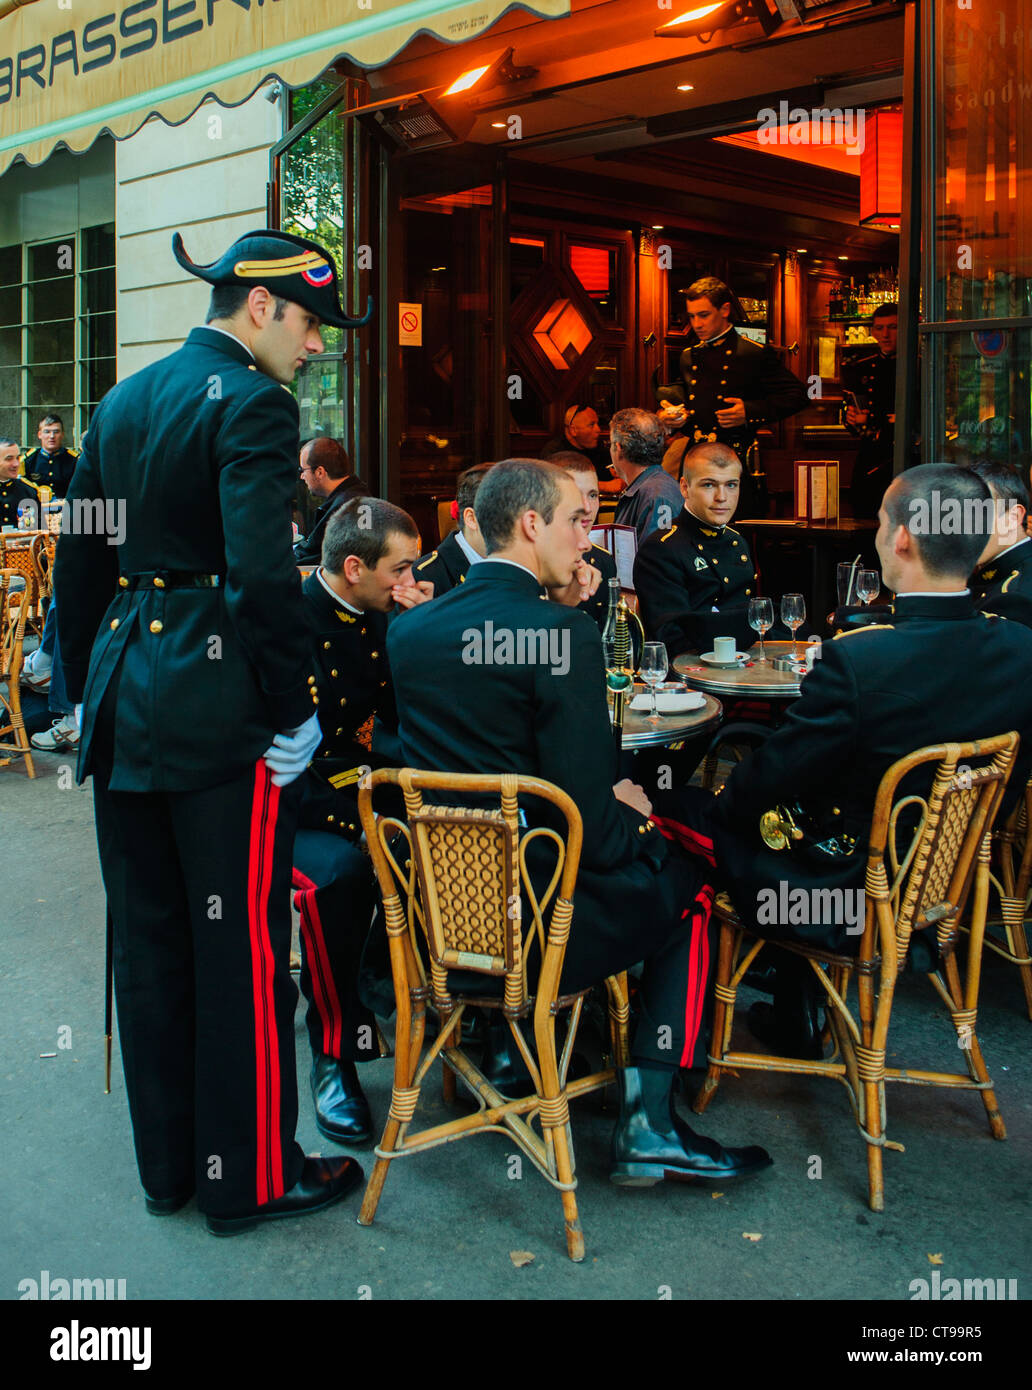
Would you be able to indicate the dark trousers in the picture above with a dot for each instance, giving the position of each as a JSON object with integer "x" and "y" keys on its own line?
{"x": 197, "y": 885}
{"x": 335, "y": 895}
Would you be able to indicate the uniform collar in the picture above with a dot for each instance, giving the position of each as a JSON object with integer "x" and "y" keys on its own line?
{"x": 704, "y": 528}
{"x": 341, "y": 603}
{"x": 941, "y": 607}
{"x": 497, "y": 570}
{"x": 1000, "y": 559}
{"x": 471, "y": 555}
{"x": 222, "y": 341}
{"x": 715, "y": 342}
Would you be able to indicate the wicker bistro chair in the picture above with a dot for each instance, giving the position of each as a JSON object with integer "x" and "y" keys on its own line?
{"x": 42, "y": 551}
{"x": 1013, "y": 884}
{"x": 925, "y": 886}
{"x": 452, "y": 877}
{"x": 13, "y": 617}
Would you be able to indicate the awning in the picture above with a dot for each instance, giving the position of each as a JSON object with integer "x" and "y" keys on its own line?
{"x": 69, "y": 71}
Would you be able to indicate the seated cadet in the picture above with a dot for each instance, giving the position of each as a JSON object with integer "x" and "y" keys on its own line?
{"x": 449, "y": 564}
{"x": 1002, "y": 580}
{"x": 13, "y": 489}
{"x": 877, "y": 693}
{"x": 582, "y": 471}
{"x": 694, "y": 581}
{"x": 637, "y": 898}
{"x": 368, "y": 550}
{"x": 51, "y": 464}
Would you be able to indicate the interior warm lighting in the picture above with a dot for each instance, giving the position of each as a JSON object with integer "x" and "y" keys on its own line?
{"x": 843, "y": 258}
{"x": 467, "y": 80}
{"x": 590, "y": 264}
{"x": 700, "y": 13}
{"x": 562, "y": 335}
{"x": 686, "y": 86}
{"x": 723, "y": 14}
{"x": 881, "y": 170}
{"x": 497, "y": 125}
{"x": 802, "y": 250}
{"x": 657, "y": 226}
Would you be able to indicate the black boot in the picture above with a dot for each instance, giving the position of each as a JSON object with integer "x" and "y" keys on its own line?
{"x": 791, "y": 1025}
{"x": 341, "y": 1109}
{"x": 652, "y": 1142}
{"x": 502, "y": 1063}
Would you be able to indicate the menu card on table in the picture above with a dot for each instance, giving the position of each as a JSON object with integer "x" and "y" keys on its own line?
{"x": 622, "y": 544}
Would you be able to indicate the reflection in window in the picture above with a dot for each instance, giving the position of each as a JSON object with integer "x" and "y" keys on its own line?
{"x": 987, "y": 395}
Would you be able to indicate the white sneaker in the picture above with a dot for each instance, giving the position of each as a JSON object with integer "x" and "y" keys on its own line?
{"x": 63, "y": 733}
{"x": 35, "y": 672}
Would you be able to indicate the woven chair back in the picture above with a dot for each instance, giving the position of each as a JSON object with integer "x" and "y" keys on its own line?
{"x": 458, "y": 875}
{"x": 12, "y": 623}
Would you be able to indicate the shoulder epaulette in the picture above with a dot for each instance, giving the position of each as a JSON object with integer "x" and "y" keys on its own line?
{"x": 733, "y": 531}
{"x": 29, "y": 483}
{"x": 74, "y": 453}
{"x": 667, "y": 534}
{"x": 426, "y": 561}
{"x": 869, "y": 627}
{"x": 1012, "y": 576}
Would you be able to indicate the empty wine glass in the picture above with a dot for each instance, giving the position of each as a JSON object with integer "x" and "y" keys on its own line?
{"x": 761, "y": 620}
{"x": 868, "y": 585}
{"x": 793, "y": 615}
{"x": 653, "y": 669}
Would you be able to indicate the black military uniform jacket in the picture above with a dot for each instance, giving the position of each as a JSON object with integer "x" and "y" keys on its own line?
{"x": 547, "y": 719}
{"x": 1003, "y": 585}
{"x": 445, "y": 567}
{"x": 353, "y": 688}
{"x": 872, "y": 379}
{"x": 877, "y": 693}
{"x": 51, "y": 470}
{"x": 198, "y": 614}
{"x": 308, "y": 550}
{"x": 738, "y": 367}
{"x": 682, "y": 575}
{"x": 597, "y": 606}
{"x": 14, "y": 491}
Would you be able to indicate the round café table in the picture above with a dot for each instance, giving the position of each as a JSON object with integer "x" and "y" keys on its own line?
{"x": 751, "y": 681}
{"x": 639, "y": 733}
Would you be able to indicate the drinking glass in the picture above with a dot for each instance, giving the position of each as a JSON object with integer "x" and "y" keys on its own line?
{"x": 653, "y": 669}
{"x": 761, "y": 620}
{"x": 793, "y": 615}
{"x": 868, "y": 585}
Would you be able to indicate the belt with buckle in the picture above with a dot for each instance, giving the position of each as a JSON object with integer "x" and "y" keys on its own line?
{"x": 170, "y": 579}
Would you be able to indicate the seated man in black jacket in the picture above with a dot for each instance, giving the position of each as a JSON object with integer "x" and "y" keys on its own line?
{"x": 449, "y": 564}
{"x": 1002, "y": 580}
{"x": 326, "y": 471}
{"x": 694, "y": 582}
{"x": 368, "y": 552}
{"x": 543, "y": 713}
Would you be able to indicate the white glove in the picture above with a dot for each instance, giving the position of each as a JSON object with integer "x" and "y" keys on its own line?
{"x": 77, "y": 715}
{"x": 291, "y": 752}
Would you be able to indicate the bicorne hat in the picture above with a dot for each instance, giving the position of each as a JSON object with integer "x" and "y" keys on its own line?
{"x": 291, "y": 267}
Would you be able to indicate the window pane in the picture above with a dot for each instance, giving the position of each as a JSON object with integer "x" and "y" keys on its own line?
{"x": 596, "y": 269}
{"x": 49, "y": 384}
{"x": 983, "y": 242}
{"x": 98, "y": 290}
{"x": 10, "y": 265}
{"x": 98, "y": 246}
{"x": 986, "y": 392}
{"x": 52, "y": 342}
{"x": 320, "y": 398}
{"x": 10, "y": 396}
{"x": 52, "y": 258}
{"x": 10, "y": 347}
{"x": 526, "y": 257}
{"x": 98, "y": 377}
{"x": 98, "y": 335}
{"x": 51, "y": 299}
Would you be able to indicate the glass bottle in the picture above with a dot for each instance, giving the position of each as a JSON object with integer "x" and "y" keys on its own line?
{"x": 609, "y": 631}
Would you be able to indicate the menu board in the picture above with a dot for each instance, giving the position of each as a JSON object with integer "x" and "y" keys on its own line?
{"x": 622, "y": 544}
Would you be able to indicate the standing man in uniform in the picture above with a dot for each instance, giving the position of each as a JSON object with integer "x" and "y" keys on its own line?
{"x": 51, "y": 464}
{"x": 449, "y": 564}
{"x": 187, "y": 646}
{"x": 368, "y": 552}
{"x": 732, "y": 385}
{"x": 869, "y": 383}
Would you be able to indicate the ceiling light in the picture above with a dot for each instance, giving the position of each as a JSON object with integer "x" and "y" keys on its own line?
{"x": 843, "y": 258}
{"x": 686, "y": 86}
{"x": 497, "y": 125}
{"x": 468, "y": 79}
{"x": 719, "y": 14}
{"x": 658, "y": 226}
{"x": 802, "y": 251}
{"x": 496, "y": 70}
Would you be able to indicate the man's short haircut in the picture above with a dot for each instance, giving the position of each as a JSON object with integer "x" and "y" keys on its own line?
{"x": 888, "y": 310}
{"x": 1006, "y": 482}
{"x": 572, "y": 461}
{"x": 363, "y": 527}
{"x": 468, "y": 485}
{"x": 513, "y": 487}
{"x": 948, "y": 510}
{"x": 324, "y": 452}
{"x": 50, "y": 418}
{"x": 640, "y": 435}
{"x": 716, "y": 455}
{"x": 227, "y": 300}
{"x": 6, "y": 439}
{"x": 709, "y": 287}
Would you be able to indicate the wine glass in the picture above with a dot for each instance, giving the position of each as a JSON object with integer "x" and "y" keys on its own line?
{"x": 653, "y": 669}
{"x": 793, "y": 615}
{"x": 761, "y": 620}
{"x": 868, "y": 585}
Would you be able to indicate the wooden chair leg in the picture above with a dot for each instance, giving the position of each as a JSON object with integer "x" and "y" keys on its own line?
{"x": 723, "y": 1013}
{"x": 564, "y": 1172}
{"x": 964, "y": 1022}
{"x": 874, "y": 1097}
{"x": 1013, "y": 910}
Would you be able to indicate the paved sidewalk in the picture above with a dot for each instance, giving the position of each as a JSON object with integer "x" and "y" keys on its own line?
{"x": 449, "y": 1219}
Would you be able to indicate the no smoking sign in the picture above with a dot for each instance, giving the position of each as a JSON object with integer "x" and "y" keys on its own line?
{"x": 410, "y": 325}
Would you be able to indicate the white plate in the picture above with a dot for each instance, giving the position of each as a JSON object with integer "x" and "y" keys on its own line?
{"x": 669, "y": 703}
{"x": 711, "y": 660}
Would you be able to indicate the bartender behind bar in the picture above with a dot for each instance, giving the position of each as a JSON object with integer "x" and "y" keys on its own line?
{"x": 731, "y": 385}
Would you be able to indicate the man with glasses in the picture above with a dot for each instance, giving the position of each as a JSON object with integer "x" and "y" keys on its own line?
{"x": 325, "y": 470}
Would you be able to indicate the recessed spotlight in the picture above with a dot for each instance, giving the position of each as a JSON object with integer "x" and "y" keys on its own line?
{"x": 843, "y": 258}
{"x": 657, "y": 226}
{"x": 435, "y": 268}
{"x": 802, "y": 251}
{"x": 497, "y": 125}
{"x": 686, "y": 86}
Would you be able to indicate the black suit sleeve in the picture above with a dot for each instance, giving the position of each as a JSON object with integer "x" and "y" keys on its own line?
{"x": 780, "y": 392}
{"x": 85, "y": 573}
{"x": 257, "y": 452}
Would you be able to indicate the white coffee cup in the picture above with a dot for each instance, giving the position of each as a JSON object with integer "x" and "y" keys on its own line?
{"x": 724, "y": 648}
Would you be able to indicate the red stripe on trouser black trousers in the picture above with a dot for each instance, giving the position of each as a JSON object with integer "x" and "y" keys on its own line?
{"x": 324, "y": 991}
{"x": 264, "y": 811}
{"x": 691, "y": 840}
{"x": 698, "y": 969}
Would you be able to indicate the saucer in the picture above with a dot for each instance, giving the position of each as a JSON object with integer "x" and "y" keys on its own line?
{"x": 710, "y": 659}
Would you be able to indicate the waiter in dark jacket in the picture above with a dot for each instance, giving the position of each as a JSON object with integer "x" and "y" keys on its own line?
{"x": 869, "y": 411}
{"x": 187, "y": 646}
{"x": 876, "y": 694}
{"x": 326, "y": 472}
{"x": 732, "y": 386}
{"x": 694, "y": 582}
{"x": 368, "y": 552}
{"x": 449, "y": 564}
{"x": 51, "y": 464}
{"x": 1002, "y": 580}
{"x": 546, "y": 717}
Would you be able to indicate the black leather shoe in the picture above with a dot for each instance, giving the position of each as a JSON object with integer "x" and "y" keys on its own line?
{"x": 651, "y": 1142}
{"x": 166, "y": 1206}
{"x": 789, "y": 1034}
{"x": 323, "y": 1181}
{"x": 502, "y": 1064}
{"x": 341, "y": 1109}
